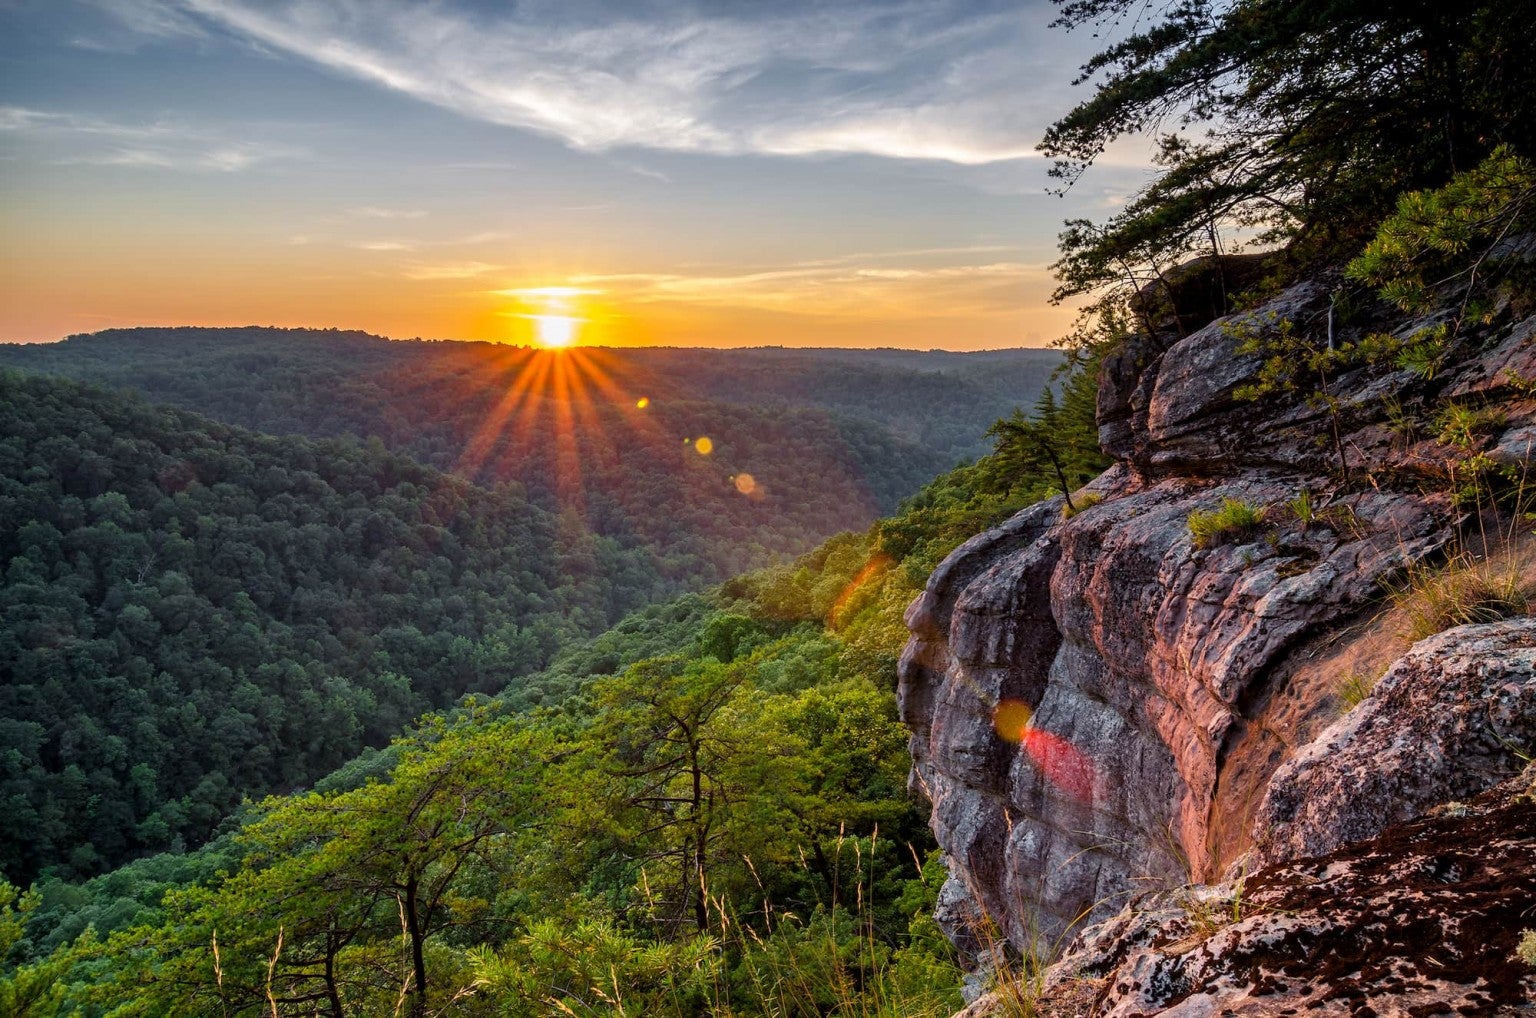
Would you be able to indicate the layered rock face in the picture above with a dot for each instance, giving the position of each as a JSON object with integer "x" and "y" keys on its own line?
{"x": 1099, "y": 705}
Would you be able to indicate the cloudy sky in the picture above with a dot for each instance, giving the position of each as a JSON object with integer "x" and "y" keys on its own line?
{"x": 841, "y": 172}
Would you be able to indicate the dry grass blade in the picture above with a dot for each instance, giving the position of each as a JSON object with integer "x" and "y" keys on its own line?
{"x": 1464, "y": 591}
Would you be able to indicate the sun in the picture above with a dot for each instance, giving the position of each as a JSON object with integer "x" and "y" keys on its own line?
{"x": 554, "y": 312}
{"x": 555, "y": 332}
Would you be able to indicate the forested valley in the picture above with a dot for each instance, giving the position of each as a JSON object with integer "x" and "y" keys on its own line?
{"x": 801, "y": 443}
{"x": 703, "y": 806}
{"x": 195, "y": 612}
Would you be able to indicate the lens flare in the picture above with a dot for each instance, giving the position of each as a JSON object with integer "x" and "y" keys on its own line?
{"x": 552, "y": 393}
{"x": 1062, "y": 764}
{"x": 745, "y": 483}
{"x": 862, "y": 580}
{"x": 703, "y": 446}
{"x": 642, "y": 402}
{"x": 1010, "y": 718}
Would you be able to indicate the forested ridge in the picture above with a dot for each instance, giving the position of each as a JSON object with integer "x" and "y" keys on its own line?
{"x": 830, "y": 438}
{"x": 192, "y": 612}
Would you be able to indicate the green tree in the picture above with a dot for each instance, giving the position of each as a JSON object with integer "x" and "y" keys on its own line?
{"x": 332, "y": 883}
{"x": 1302, "y": 120}
{"x": 1056, "y": 445}
{"x": 692, "y": 780}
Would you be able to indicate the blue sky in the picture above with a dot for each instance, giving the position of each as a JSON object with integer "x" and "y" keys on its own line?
{"x": 836, "y": 173}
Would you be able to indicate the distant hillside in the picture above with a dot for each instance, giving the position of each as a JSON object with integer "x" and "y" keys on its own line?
{"x": 193, "y": 612}
{"x": 895, "y": 418}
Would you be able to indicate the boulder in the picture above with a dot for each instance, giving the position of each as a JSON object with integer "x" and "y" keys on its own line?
{"x": 1422, "y": 919}
{"x": 1447, "y": 721}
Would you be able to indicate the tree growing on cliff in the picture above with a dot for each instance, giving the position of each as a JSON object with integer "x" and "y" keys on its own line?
{"x": 1297, "y": 121}
{"x": 1057, "y": 443}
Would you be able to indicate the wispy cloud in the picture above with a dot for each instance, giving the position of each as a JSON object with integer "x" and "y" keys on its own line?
{"x": 225, "y": 159}
{"x": 379, "y": 212}
{"x": 141, "y": 21}
{"x": 951, "y": 80}
{"x": 482, "y": 237}
{"x": 77, "y": 139}
{"x": 829, "y": 289}
{"x": 451, "y": 270}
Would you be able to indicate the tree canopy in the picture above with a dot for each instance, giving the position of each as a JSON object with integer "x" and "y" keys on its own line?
{"x": 703, "y": 810}
{"x": 1294, "y": 121}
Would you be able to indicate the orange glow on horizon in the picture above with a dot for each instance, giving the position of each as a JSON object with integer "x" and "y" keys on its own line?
{"x": 553, "y": 311}
{"x": 98, "y": 275}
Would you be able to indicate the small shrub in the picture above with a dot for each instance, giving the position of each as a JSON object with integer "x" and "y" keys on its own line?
{"x": 1462, "y": 426}
{"x": 1084, "y": 501}
{"x": 1424, "y": 352}
{"x": 1447, "y": 233}
{"x": 1526, "y": 949}
{"x": 1234, "y": 520}
{"x": 1521, "y": 386}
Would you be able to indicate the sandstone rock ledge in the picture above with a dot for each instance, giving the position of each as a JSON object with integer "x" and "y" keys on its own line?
{"x": 1422, "y": 920}
{"x": 1183, "y": 716}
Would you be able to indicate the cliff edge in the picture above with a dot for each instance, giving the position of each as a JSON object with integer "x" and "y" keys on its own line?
{"x": 1155, "y": 692}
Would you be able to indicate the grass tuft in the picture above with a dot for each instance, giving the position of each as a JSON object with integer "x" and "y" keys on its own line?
{"x": 1303, "y": 508}
{"x": 1526, "y": 949}
{"x": 1234, "y": 520}
{"x": 1354, "y": 688}
{"x": 1086, "y": 500}
{"x": 1464, "y": 591}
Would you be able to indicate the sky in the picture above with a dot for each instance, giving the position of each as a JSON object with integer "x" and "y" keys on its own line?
{"x": 732, "y": 173}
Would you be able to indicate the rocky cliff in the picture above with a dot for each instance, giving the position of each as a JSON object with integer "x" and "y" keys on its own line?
{"x": 1104, "y": 704}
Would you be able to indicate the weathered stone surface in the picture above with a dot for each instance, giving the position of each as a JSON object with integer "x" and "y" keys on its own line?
{"x": 1421, "y": 920}
{"x": 1125, "y": 387}
{"x": 1515, "y": 448}
{"x": 945, "y": 712}
{"x": 1444, "y": 723}
{"x": 1187, "y": 296}
{"x": 1193, "y": 422}
{"x": 1511, "y": 361}
{"x": 1136, "y": 654}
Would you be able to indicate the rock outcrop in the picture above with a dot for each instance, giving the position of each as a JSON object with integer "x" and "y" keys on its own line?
{"x": 1423, "y": 919}
{"x": 1446, "y": 722}
{"x": 1100, "y": 705}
